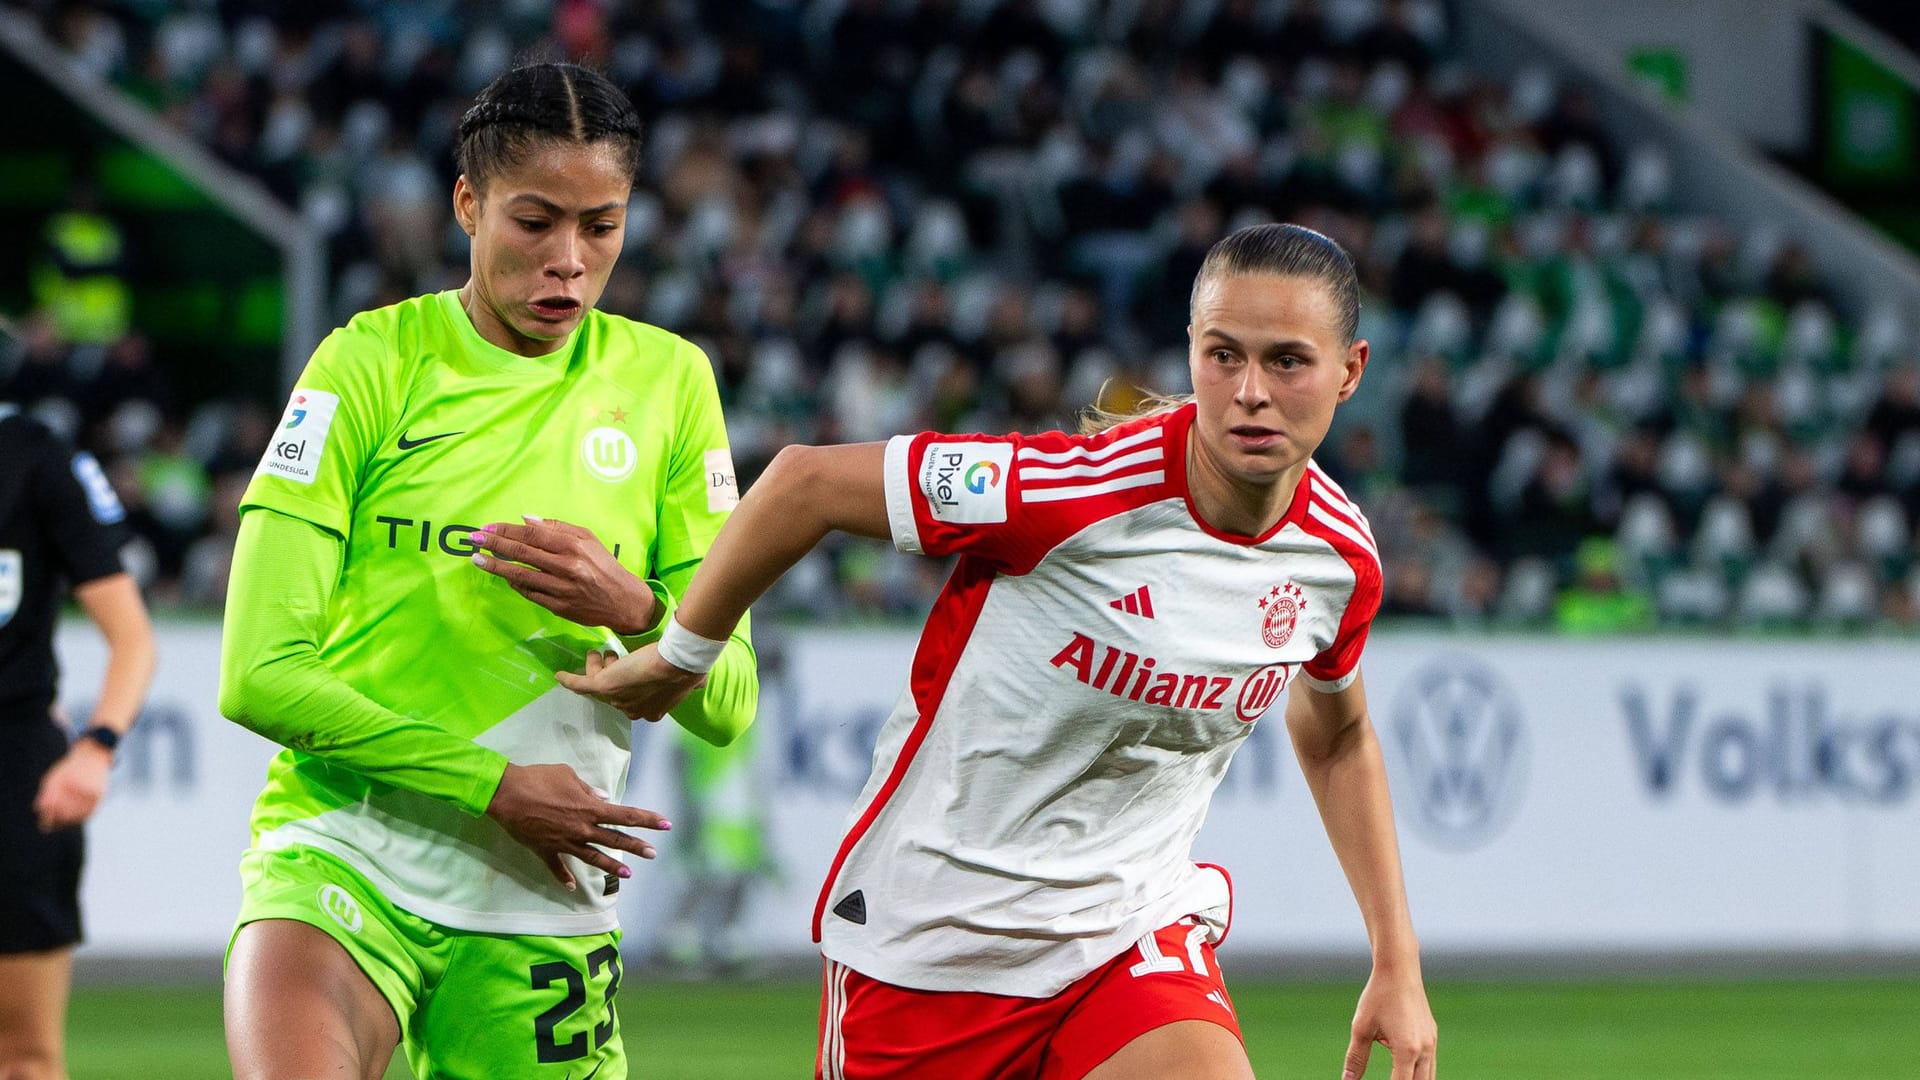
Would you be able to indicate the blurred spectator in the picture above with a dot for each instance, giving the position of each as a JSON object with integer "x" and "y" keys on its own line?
{"x": 208, "y": 561}
{"x": 1431, "y": 440}
{"x": 1392, "y": 39}
{"x": 1553, "y": 513}
{"x": 126, "y": 374}
{"x": 80, "y": 280}
{"x": 1863, "y": 470}
{"x": 1895, "y": 417}
{"x": 37, "y": 370}
{"x": 1598, "y": 602}
{"x": 1573, "y": 124}
{"x": 1301, "y": 35}
{"x": 1408, "y": 591}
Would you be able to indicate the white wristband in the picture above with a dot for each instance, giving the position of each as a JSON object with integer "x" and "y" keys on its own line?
{"x": 687, "y": 650}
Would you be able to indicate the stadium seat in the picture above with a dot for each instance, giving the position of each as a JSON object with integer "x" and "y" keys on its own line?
{"x": 1692, "y": 596}
{"x": 1771, "y": 597}
{"x": 1806, "y": 529}
{"x": 1646, "y": 528}
{"x": 1517, "y": 329}
{"x": 1573, "y": 179}
{"x": 1882, "y": 533}
{"x": 1685, "y": 468}
{"x": 1442, "y": 327}
{"x": 1849, "y": 595}
{"x": 1647, "y": 182}
{"x": 1724, "y": 538}
{"x": 1528, "y": 595}
{"x": 1883, "y": 338}
{"x": 1903, "y": 462}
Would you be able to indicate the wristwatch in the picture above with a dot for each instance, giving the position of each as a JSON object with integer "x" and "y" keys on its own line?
{"x": 103, "y": 735}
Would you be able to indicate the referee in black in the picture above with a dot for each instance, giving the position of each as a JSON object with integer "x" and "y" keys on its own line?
{"x": 60, "y": 525}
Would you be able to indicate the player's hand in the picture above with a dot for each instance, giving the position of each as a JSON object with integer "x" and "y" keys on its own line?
{"x": 567, "y": 570}
{"x": 71, "y": 790}
{"x": 641, "y": 685}
{"x": 1394, "y": 1012}
{"x": 553, "y": 812}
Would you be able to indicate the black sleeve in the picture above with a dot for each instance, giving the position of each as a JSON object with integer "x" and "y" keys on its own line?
{"x": 83, "y": 518}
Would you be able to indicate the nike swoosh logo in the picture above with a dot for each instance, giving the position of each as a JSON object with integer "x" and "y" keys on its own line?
{"x": 408, "y": 444}
{"x": 589, "y": 1076}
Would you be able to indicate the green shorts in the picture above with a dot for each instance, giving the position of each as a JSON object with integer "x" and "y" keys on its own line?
{"x": 471, "y": 1005}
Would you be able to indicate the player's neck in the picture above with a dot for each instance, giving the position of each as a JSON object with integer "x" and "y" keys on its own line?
{"x": 497, "y": 331}
{"x": 1232, "y": 504}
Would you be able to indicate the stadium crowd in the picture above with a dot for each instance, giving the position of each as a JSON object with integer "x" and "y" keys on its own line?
{"x": 1589, "y": 404}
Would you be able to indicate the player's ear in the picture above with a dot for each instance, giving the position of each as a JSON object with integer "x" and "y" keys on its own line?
{"x": 466, "y": 204}
{"x": 1357, "y": 356}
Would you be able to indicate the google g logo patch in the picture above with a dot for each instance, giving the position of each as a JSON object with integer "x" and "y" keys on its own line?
{"x": 981, "y": 476}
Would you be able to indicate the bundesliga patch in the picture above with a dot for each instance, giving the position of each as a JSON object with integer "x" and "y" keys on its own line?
{"x": 13, "y": 583}
{"x": 966, "y": 483}
{"x": 294, "y": 451}
{"x": 723, "y": 491}
{"x": 101, "y": 500}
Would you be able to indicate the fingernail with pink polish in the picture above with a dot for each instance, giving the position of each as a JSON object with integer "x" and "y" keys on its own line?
{"x": 626, "y": 871}
{"x": 665, "y": 824}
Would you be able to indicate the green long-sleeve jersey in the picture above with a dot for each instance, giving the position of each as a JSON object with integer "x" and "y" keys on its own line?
{"x": 402, "y": 678}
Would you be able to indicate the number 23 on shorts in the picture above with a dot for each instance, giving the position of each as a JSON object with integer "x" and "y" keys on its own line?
{"x": 548, "y": 1046}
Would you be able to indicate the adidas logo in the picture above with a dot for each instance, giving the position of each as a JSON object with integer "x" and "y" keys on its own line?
{"x": 1138, "y": 602}
{"x": 853, "y": 907}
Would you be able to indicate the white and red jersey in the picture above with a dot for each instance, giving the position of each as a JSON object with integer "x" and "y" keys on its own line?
{"x": 1082, "y": 681}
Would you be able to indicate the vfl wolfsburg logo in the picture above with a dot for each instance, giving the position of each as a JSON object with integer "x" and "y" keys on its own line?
{"x": 609, "y": 454}
{"x": 341, "y": 907}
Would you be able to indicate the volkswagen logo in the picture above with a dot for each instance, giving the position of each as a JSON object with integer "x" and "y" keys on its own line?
{"x": 1458, "y": 742}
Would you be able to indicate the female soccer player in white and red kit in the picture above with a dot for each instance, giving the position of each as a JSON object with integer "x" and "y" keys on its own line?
{"x": 1015, "y": 896}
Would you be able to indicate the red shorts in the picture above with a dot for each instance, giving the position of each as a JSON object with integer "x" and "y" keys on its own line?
{"x": 870, "y": 1030}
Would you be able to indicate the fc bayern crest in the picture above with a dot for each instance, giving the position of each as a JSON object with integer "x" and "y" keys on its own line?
{"x": 1283, "y": 605}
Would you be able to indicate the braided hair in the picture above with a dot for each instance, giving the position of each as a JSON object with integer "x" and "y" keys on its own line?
{"x": 544, "y": 102}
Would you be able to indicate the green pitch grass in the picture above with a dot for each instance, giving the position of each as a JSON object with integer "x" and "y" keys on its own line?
{"x": 1650, "y": 1030}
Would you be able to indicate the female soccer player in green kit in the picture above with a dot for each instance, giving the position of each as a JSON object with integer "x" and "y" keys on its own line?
{"x": 436, "y": 855}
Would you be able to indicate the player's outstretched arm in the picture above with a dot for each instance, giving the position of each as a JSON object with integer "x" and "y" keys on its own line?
{"x": 273, "y": 681}
{"x": 808, "y": 492}
{"x": 72, "y": 788}
{"x": 1340, "y": 758}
